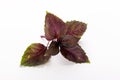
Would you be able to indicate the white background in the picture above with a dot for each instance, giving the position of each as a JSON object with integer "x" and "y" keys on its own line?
{"x": 22, "y": 23}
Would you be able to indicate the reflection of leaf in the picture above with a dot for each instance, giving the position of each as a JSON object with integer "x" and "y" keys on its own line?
{"x": 34, "y": 55}
{"x": 68, "y": 41}
{"x": 76, "y": 28}
{"x": 75, "y": 54}
{"x": 54, "y": 27}
{"x": 53, "y": 48}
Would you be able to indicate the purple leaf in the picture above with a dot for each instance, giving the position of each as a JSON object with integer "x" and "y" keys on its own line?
{"x": 53, "y": 48}
{"x": 75, "y": 54}
{"x": 68, "y": 41}
{"x": 34, "y": 55}
{"x": 76, "y": 28}
{"x": 54, "y": 27}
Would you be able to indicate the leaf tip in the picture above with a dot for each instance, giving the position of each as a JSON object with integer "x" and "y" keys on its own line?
{"x": 88, "y": 61}
{"x": 47, "y": 12}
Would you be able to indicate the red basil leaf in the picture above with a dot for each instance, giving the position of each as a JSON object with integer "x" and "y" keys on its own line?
{"x": 53, "y": 48}
{"x": 69, "y": 41}
{"x": 34, "y": 55}
{"x": 76, "y": 28}
{"x": 75, "y": 54}
{"x": 54, "y": 27}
